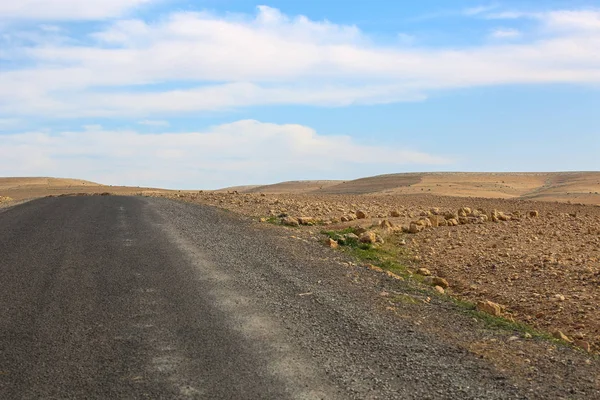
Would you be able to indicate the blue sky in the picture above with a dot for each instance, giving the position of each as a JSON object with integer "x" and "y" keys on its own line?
{"x": 213, "y": 93}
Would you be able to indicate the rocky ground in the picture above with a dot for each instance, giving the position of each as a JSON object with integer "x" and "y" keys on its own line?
{"x": 532, "y": 262}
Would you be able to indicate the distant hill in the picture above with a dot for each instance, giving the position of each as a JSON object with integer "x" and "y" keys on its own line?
{"x": 577, "y": 187}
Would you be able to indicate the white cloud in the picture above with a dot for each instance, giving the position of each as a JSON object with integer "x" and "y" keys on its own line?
{"x": 221, "y": 63}
{"x": 505, "y": 33}
{"x": 478, "y": 10}
{"x": 66, "y": 9}
{"x": 238, "y": 153}
{"x": 154, "y": 122}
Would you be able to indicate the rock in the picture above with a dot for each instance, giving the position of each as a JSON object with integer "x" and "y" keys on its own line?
{"x": 374, "y": 268}
{"x": 503, "y": 217}
{"x": 463, "y": 220}
{"x": 385, "y": 224}
{"x": 452, "y": 222}
{"x": 263, "y": 219}
{"x": 425, "y": 222}
{"x": 442, "y": 222}
{"x": 434, "y": 220}
{"x": 435, "y": 211}
{"x": 424, "y": 272}
{"x": 534, "y": 214}
{"x": 395, "y": 214}
{"x": 379, "y": 239}
{"x": 402, "y": 242}
{"x": 306, "y": 220}
{"x": 331, "y": 243}
{"x": 440, "y": 289}
{"x": 464, "y": 211}
{"x": 450, "y": 215}
{"x": 368, "y": 237}
{"x": 582, "y": 344}
{"x": 361, "y": 214}
{"x": 290, "y": 221}
{"x": 437, "y": 281}
{"x": 344, "y": 219}
{"x": 489, "y": 307}
{"x": 351, "y": 236}
{"x": 561, "y": 336}
{"x": 359, "y": 230}
{"x": 415, "y": 228}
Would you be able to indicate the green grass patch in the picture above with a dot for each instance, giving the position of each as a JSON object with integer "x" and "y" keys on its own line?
{"x": 396, "y": 259}
{"x": 386, "y": 256}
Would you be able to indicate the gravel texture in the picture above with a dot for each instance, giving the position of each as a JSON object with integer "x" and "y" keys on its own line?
{"x": 129, "y": 297}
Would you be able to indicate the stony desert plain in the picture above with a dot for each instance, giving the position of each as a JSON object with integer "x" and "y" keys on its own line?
{"x": 521, "y": 247}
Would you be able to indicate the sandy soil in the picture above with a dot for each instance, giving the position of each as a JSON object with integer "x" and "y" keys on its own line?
{"x": 18, "y": 189}
{"x": 575, "y": 187}
{"x": 544, "y": 270}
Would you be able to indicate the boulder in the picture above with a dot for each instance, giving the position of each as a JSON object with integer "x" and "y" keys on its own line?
{"x": 561, "y": 336}
{"x": 415, "y": 228}
{"x": 331, "y": 243}
{"x": 434, "y": 220}
{"x": 437, "y": 281}
{"x": 360, "y": 214}
{"x": 503, "y": 217}
{"x": 489, "y": 307}
{"x": 368, "y": 237}
{"x": 306, "y": 220}
{"x": 290, "y": 221}
{"x": 385, "y": 224}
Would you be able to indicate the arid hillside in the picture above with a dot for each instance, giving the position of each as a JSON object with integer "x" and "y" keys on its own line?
{"x": 16, "y": 189}
{"x": 575, "y": 187}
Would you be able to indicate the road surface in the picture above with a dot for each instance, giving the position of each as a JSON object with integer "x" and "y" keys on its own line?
{"x": 132, "y": 298}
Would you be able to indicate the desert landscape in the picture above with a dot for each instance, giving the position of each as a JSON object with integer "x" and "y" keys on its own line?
{"x": 523, "y": 246}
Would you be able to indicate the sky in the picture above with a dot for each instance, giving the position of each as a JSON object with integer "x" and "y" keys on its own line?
{"x": 214, "y": 93}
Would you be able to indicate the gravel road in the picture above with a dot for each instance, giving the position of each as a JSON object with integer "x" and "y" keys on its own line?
{"x": 132, "y": 298}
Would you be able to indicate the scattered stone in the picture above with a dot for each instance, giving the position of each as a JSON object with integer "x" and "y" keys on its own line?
{"x": 439, "y": 289}
{"x": 582, "y": 344}
{"x": 415, "y": 228}
{"x": 290, "y": 221}
{"x": 351, "y": 236}
{"x": 559, "y": 335}
{"x": 437, "y": 281}
{"x": 368, "y": 237}
{"x": 452, "y": 222}
{"x": 434, "y": 220}
{"x": 374, "y": 268}
{"x": 424, "y": 272}
{"x": 306, "y": 220}
{"x": 331, "y": 243}
{"x": 360, "y": 214}
{"x": 489, "y": 307}
{"x": 385, "y": 224}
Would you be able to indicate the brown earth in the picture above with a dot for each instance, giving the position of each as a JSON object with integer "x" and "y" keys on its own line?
{"x": 19, "y": 189}
{"x": 575, "y": 187}
{"x": 544, "y": 270}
